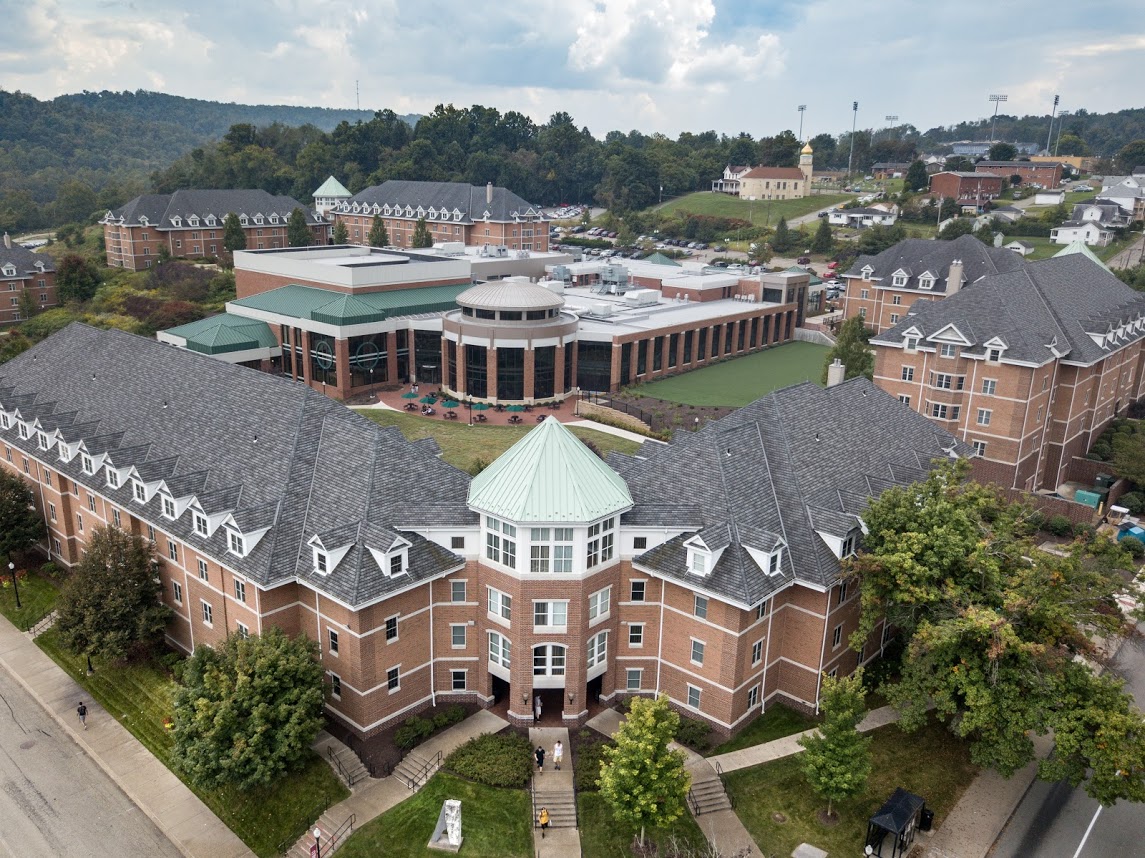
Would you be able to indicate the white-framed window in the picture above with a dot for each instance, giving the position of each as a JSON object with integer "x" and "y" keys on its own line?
{"x": 908, "y": 373}
{"x": 177, "y": 592}
{"x": 904, "y": 398}
{"x": 898, "y": 280}
{"x": 550, "y": 614}
{"x": 693, "y": 697}
{"x": 549, "y": 660}
{"x": 850, "y": 544}
{"x": 391, "y": 628}
{"x": 168, "y": 506}
{"x": 91, "y": 502}
{"x": 864, "y": 294}
{"x": 499, "y": 649}
{"x": 332, "y": 635}
{"x": 989, "y": 386}
{"x": 599, "y": 604}
{"x": 632, "y": 678}
{"x": 87, "y": 464}
{"x": 116, "y": 517}
{"x": 457, "y": 633}
{"x": 773, "y": 563}
{"x": 597, "y": 649}
{"x": 896, "y": 300}
{"x": 500, "y": 604}
{"x": 52, "y": 511}
{"x": 948, "y": 350}
{"x": 550, "y": 549}
{"x": 894, "y": 318}
{"x": 837, "y": 636}
{"x": 208, "y": 612}
{"x": 394, "y": 679}
{"x": 24, "y": 432}
{"x": 636, "y": 634}
{"x": 6, "y": 423}
{"x": 139, "y": 491}
{"x": 200, "y": 523}
{"x": 698, "y": 648}
{"x": 457, "y": 680}
{"x": 42, "y": 440}
{"x": 979, "y": 448}
{"x": 204, "y": 575}
{"x": 57, "y": 548}
{"x": 843, "y": 587}
{"x": 761, "y": 610}
{"x": 321, "y": 562}
{"x": 757, "y": 652}
{"x": 601, "y": 540}
{"x": 984, "y": 416}
{"x": 335, "y": 686}
{"x": 753, "y": 697}
{"x": 79, "y": 522}
{"x": 637, "y": 591}
{"x": 993, "y": 355}
{"x": 700, "y": 607}
{"x": 457, "y": 591}
{"x": 910, "y": 344}
{"x": 151, "y": 533}
{"x": 112, "y": 478}
{"x": 242, "y": 630}
{"x": 500, "y": 541}
{"x": 173, "y": 550}
{"x": 240, "y": 590}
{"x": 236, "y": 544}
{"x": 926, "y": 282}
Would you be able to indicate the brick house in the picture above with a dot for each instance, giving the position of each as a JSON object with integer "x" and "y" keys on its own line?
{"x": 967, "y": 188}
{"x": 453, "y": 212}
{"x": 1032, "y": 172}
{"x": 23, "y": 272}
{"x": 1028, "y": 365}
{"x": 189, "y": 224}
{"x": 269, "y": 504}
{"x": 882, "y": 288}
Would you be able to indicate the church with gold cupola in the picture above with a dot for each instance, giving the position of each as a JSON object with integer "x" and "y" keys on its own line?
{"x": 778, "y": 183}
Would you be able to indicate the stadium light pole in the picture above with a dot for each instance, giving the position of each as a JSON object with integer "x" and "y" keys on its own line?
{"x": 854, "y": 120}
{"x": 1053, "y": 113}
{"x": 1058, "y": 141}
{"x": 997, "y": 99}
{"x": 891, "y": 117}
{"x": 801, "y": 108}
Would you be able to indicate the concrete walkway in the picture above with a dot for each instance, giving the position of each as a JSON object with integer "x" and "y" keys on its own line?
{"x": 374, "y": 796}
{"x": 554, "y": 790}
{"x": 176, "y": 811}
{"x": 614, "y": 430}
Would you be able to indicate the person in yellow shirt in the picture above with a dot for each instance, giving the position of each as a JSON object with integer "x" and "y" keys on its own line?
{"x": 543, "y": 819}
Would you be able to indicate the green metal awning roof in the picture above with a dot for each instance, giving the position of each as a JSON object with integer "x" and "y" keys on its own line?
{"x": 225, "y": 333}
{"x": 339, "y": 308}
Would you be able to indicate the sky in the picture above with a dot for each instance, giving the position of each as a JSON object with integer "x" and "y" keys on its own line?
{"x": 662, "y": 66}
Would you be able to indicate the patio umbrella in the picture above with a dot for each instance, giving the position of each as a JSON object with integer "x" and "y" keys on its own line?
{"x": 409, "y": 395}
{"x": 515, "y": 408}
{"x": 480, "y": 406}
{"x": 429, "y": 400}
{"x": 449, "y": 403}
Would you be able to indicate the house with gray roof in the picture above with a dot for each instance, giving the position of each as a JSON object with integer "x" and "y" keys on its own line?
{"x": 1029, "y": 365}
{"x": 708, "y": 569}
{"x": 455, "y": 213}
{"x": 27, "y": 278}
{"x": 189, "y": 224}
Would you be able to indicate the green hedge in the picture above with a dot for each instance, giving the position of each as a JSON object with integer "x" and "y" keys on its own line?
{"x": 416, "y": 730}
{"x": 494, "y": 759}
{"x": 589, "y": 755}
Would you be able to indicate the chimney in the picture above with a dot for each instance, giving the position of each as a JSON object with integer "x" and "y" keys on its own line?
{"x": 836, "y": 372}
{"x": 488, "y": 193}
{"x": 7, "y": 241}
{"x": 954, "y": 277}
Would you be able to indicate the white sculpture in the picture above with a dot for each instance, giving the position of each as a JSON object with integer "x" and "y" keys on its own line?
{"x": 447, "y": 833}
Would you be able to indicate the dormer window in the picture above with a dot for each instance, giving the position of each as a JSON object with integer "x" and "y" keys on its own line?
{"x": 200, "y": 524}
{"x": 926, "y": 281}
{"x": 773, "y": 562}
{"x": 994, "y": 355}
{"x": 867, "y": 271}
{"x": 143, "y": 221}
{"x": 6, "y": 422}
{"x": 210, "y": 220}
{"x": 139, "y": 491}
{"x": 9, "y": 270}
{"x": 698, "y": 561}
{"x": 850, "y": 545}
{"x": 236, "y": 544}
{"x": 399, "y": 562}
{"x": 911, "y": 344}
{"x": 87, "y": 464}
{"x": 274, "y": 218}
{"x": 45, "y": 444}
{"x": 898, "y": 280}
{"x": 64, "y": 452}
{"x": 258, "y": 219}
{"x": 193, "y": 220}
{"x": 321, "y": 562}
{"x": 176, "y": 221}
{"x": 112, "y": 478}
{"x": 25, "y": 432}
{"x": 168, "y": 506}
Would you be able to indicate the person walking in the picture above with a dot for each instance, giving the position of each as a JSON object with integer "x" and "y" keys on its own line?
{"x": 81, "y": 711}
{"x": 536, "y": 709}
{"x": 543, "y": 818}
{"x": 540, "y": 755}
{"x": 558, "y": 754}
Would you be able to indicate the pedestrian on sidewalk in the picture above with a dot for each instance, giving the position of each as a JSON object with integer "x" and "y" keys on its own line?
{"x": 536, "y": 709}
{"x": 81, "y": 711}
{"x": 540, "y": 755}
{"x": 558, "y": 754}
{"x": 543, "y": 818}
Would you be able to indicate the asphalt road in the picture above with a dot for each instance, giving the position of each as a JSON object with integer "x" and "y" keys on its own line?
{"x": 54, "y": 801}
{"x": 1057, "y": 821}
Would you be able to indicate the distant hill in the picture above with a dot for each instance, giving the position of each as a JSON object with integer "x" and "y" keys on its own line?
{"x": 209, "y": 119}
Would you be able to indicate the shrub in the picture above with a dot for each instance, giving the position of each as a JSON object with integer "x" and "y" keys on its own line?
{"x": 50, "y": 569}
{"x": 588, "y": 758}
{"x": 413, "y": 732}
{"x": 448, "y": 716}
{"x": 1134, "y": 546}
{"x": 1084, "y": 530}
{"x": 694, "y": 734}
{"x": 1101, "y": 450}
{"x": 1059, "y": 525}
{"x": 1134, "y": 502}
{"x": 494, "y": 759}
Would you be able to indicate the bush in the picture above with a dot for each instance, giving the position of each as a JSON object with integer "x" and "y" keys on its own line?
{"x": 1101, "y": 450}
{"x": 448, "y": 716}
{"x": 413, "y": 732}
{"x": 1134, "y": 502}
{"x": 1059, "y": 525}
{"x": 1084, "y": 530}
{"x": 588, "y": 759}
{"x": 494, "y": 759}
{"x": 1134, "y": 546}
{"x": 694, "y": 734}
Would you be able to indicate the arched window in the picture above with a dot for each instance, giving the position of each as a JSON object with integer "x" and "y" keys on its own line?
{"x": 499, "y": 650}
{"x": 549, "y": 660}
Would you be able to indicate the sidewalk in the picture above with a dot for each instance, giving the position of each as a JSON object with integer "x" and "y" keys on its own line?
{"x": 176, "y": 811}
{"x": 554, "y": 790}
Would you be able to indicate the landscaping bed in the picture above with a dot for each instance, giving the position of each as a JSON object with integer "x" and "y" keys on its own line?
{"x": 39, "y": 588}
{"x": 778, "y": 721}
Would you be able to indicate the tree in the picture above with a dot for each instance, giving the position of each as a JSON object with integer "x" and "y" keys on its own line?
{"x": 28, "y": 305}
{"x": 1128, "y": 458}
{"x": 76, "y": 278}
{"x": 1002, "y": 152}
{"x": 959, "y": 163}
{"x": 837, "y": 759}
{"x": 297, "y": 231}
{"x": 248, "y": 711}
{"x": 21, "y": 526}
{"x": 111, "y": 605}
{"x": 1131, "y": 155}
{"x": 916, "y": 177}
{"x": 781, "y": 241}
{"x": 234, "y": 236}
{"x": 852, "y": 349}
{"x": 823, "y": 238}
{"x": 956, "y": 228}
{"x": 341, "y": 234}
{"x": 421, "y": 236}
{"x": 379, "y": 237}
{"x": 994, "y": 627}
{"x": 643, "y": 781}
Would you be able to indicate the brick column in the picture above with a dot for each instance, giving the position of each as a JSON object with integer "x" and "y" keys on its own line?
{"x": 530, "y": 373}
{"x": 342, "y": 363}
{"x": 305, "y": 356}
{"x": 559, "y": 370}
{"x": 491, "y": 372}
{"x": 392, "y": 356}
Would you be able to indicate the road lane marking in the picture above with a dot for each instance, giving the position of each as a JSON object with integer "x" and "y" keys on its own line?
{"x": 1085, "y": 836}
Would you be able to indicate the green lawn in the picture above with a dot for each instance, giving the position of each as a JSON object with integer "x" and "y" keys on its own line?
{"x": 931, "y": 763}
{"x": 495, "y": 823}
{"x": 462, "y": 445}
{"x": 139, "y": 696}
{"x": 742, "y": 379}
{"x": 38, "y": 594}
{"x": 760, "y": 212}
{"x": 602, "y": 836}
{"x": 775, "y": 723}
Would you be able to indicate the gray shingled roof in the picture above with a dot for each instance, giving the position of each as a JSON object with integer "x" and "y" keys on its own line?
{"x": 800, "y": 459}
{"x": 274, "y": 452}
{"x": 465, "y": 198}
{"x": 24, "y": 260}
{"x": 917, "y": 256}
{"x": 1056, "y": 302}
{"x": 159, "y": 209}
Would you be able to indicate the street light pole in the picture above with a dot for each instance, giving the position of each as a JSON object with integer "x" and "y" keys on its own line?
{"x": 317, "y": 842}
{"x": 997, "y": 99}
{"x": 15, "y": 586}
{"x": 854, "y": 120}
{"x": 801, "y": 108}
{"x": 1053, "y": 113}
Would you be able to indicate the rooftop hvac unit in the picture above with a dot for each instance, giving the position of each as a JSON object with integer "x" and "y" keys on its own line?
{"x": 641, "y": 297}
{"x": 522, "y": 254}
{"x": 452, "y": 248}
{"x": 554, "y": 286}
{"x": 601, "y": 309}
{"x": 562, "y": 273}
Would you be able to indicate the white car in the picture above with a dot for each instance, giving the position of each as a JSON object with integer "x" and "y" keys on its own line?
{"x": 1082, "y": 188}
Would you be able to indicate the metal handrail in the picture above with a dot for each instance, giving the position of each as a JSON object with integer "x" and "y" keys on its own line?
{"x": 533, "y": 798}
{"x": 692, "y": 801}
{"x": 421, "y": 775}
{"x": 43, "y": 624}
{"x": 345, "y": 829}
{"x": 345, "y": 775}
{"x": 720, "y": 774}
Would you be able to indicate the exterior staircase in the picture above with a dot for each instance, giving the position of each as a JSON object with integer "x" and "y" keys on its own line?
{"x": 414, "y": 769}
{"x": 334, "y": 833}
{"x": 558, "y": 798}
{"x": 707, "y": 793}
{"x": 346, "y": 763}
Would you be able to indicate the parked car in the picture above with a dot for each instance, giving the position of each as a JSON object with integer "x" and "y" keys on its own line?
{"x": 822, "y": 214}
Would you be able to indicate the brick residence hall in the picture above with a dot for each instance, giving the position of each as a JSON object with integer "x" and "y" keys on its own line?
{"x": 24, "y": 272}
{"x": 550, "y": 573}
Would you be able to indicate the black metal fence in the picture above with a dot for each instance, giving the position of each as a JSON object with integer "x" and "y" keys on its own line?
{"x": 656, "y": 422}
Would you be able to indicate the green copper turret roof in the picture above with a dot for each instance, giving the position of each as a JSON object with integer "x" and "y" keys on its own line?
{"x": 332, "y": 188}
{"x": 549, "y": 476}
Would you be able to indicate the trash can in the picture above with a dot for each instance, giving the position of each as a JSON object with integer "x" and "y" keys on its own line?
{"x": 926, "y": 819}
